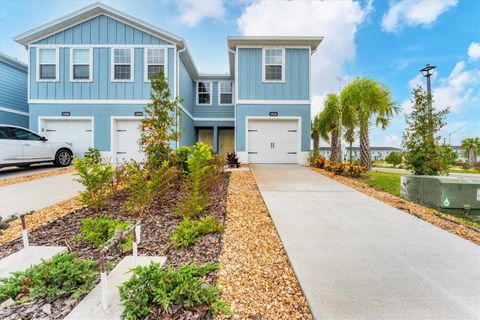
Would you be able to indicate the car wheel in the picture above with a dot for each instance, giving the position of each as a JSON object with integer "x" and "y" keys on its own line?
{"x": 63, "y": 158}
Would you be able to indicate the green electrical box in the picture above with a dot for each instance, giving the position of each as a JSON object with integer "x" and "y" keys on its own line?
{"x": 448, "y": 194}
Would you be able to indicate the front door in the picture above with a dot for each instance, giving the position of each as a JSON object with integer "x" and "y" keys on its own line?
{"x": 226, "y": 142}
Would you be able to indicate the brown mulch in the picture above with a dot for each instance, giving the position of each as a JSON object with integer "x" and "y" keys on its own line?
{"x": 256, "y": 277}
{"x": 155, "y": 240}
{"x": 432, "y": 216}
{"x": 33, "y": 176}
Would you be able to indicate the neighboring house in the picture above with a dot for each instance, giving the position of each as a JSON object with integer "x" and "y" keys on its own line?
{"x": 13, "y": 92}
{"x": 376, "y": 153}
{"x": 89, "y": 82}
{"x": 460, "y": 153}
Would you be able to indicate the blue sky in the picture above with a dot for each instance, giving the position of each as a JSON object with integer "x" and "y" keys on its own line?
{"x": 388, "y": 41}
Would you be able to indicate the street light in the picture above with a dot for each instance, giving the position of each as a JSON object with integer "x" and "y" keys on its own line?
{"x": 427, "y": 73}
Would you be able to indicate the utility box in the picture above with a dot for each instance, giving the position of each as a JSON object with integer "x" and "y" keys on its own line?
{"x": 447, "y": 194}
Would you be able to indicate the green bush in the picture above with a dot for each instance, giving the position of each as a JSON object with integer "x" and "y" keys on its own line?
{"x": 94, "y": 155}
{"x": 62, "y": 275}
{"x": 96, "y": 178}
{"x": 188, "y": 232}
{"x": 147, "y": 184}
{"x": 152, "y": 286}
{"x": 181, "y": 156}
{"x": 394, "y": 158}
{"x": 99, "y": 230}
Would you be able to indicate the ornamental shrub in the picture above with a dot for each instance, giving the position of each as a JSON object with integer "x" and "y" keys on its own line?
{"x": 188, "y": 232}
{"x": 394, "y": 158}
{"x": 152, "y": 285}
{"x": 63, "y": 275}
{"x": 96, "y": 178}
{"x": 232, "y": 160}
{"x": 339, "y": 168}
{"x": 99, "y": 230}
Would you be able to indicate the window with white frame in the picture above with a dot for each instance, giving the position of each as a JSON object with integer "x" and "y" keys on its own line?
{"x": 204, "y": 92}
{"x": 225, "y": 92}
{"x": 155, "y": 62}
{"x": 122, "y": 64}
{"x": 81, "y": 65}
{"x": 273, "y": 60}
{"x": 47, "y": 64}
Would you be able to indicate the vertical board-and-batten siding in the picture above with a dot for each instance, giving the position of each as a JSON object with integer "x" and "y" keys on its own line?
{"x": 100, "y": 30}
{"x": 214, "y": 110}
{"x": 186, "y": 91}
{"x": 13, "y": 88}
{"x": 295, "y": 87}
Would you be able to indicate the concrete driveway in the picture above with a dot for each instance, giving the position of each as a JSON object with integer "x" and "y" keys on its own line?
{"x": 12, "y": 172}
{"x": 37, "y": 194}
{"x": 358, "y": 258}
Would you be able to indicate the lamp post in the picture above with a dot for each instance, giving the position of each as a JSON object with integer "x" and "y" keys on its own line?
{"x": 339, "y": 147}
{"x": 427, "y": 72}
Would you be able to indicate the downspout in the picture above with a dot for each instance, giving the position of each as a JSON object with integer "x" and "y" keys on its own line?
{"x": 177, "y": 87}
{"x": 234, "y": 52}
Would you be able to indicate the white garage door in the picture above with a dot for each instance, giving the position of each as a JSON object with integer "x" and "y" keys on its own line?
{"x": 77, "y": 131}
{"x": 272, "y": 141}
{"x": 127, "y": 135}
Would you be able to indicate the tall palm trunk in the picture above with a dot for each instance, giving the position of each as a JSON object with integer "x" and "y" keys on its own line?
{"x": 351, "y": 146}
{"x": 472, "y": 156}
{"x": 316, "y": 142}
{"x": 365, "y": 159}
{"x": 334, "y": 146}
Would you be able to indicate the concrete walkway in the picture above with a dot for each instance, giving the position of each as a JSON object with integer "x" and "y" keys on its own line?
{"x": 37, "y": 194}
{"x": 358, "y": 258}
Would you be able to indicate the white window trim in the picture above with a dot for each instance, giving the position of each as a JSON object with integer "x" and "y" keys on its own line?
{"x": 57, "y": 65}
{"x": 90, "y": 65}
{"x": 132, "y": 64}
{"x": 145, "y": 62}
{"x": 263, "y": 65}
{"x": 211, "y": 96}
{"x": 219, "y": 94}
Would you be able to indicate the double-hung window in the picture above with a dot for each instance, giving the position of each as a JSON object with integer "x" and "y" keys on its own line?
{"x": 225, "y": 93}
{"x": 155, "y": 62}
{"x": 273, "y": 64}
{"x": 47, "y": 68}
{"x": 204, "y": 92}
{"x": 122, "y": 69}
{"x": 81, "y": 64}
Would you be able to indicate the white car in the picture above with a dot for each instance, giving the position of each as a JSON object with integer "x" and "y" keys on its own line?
{"x": 21, "y": 147}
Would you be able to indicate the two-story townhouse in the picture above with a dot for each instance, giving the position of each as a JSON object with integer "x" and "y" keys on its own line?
{"x": 13, "y": 92}
{"x": 89, "y": 81}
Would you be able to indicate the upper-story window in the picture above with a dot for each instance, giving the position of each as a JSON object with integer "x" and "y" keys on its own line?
{"x": 81, "y": 64}
{"x": 47, "y": 67}
{"x": 225, "y": 93}
{"x": 204, "y": 92}
{"x": 122, "y": 69}
{"x": 155, "y": 62}
{"x": 273, "y": 64}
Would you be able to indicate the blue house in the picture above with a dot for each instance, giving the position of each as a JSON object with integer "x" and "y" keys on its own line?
{"x": 13, "y": 92}
{"x": 89, "y": 81}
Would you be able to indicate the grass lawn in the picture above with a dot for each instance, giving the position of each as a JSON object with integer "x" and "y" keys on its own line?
{"x": 390, "y": 182}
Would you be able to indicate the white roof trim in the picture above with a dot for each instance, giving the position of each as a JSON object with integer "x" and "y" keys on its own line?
{"x": 13, "y": 62}
{"x": 83, "y": 14}
{"x": 312, "y": 42}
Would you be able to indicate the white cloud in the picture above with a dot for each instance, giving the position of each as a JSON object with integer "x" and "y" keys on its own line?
{"x": 194, "y": 11}
{"x": 337, "y": 21}
{"x": 474, "y": 51}
{"x": 413, "y": 13}
{"x": 392, "y": 140}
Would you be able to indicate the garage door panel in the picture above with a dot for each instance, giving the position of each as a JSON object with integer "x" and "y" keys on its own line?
{"x": 127, "y": 136}
{"x": 272, "y": 141}
{"x": 77, "y": 131}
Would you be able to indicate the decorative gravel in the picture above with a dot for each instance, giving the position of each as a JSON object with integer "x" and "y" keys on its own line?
{"x": 432, "y": 216}
{"x": 33, "y": 176}
{"x": 256, "y": 277}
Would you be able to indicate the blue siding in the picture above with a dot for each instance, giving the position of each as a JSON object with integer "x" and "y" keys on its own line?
{"x": 215, "y": 110}
{"x": 101, "y": 30}
{"x": 13, "y": 119}
{"x": 244, "y": 111}
{"x": 295, "y": 87}
{"x": 187, "y": 131}
{"x": 186, "y": 88}
{"x": 13, "y": 87}
{"x": 101, "y": 114}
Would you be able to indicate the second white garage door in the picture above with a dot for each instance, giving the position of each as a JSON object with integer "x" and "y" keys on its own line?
{"x": 273, "y": 141}
{"x": 77, "y": 131}
{"x": 125, "y": 140}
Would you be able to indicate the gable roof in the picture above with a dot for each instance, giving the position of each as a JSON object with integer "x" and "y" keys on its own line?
{"x": 13, "y": 62}
{"x": 88, "y": 12}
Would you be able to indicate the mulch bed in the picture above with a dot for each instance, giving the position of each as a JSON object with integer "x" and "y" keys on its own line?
{"x": 256, "y": 277}
{"x": 155, "y": 240}
{"x": 432, "y": 216}
{"x": 33, "y": 176}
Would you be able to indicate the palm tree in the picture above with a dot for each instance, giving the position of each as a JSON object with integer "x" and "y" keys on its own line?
{"x": 368, "y": 99}
{"x": 471, "y": 146}
{"x": 315, "y": 133}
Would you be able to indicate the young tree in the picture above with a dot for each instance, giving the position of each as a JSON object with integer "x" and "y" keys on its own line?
{"x": 471, "y": 146}
{"x": 394, "y": 158}
{"x": 160, "y": 125}
{"x": 369, "y": 99}
{"x": 315, "y": 133}
{"x": 424, "y": 155}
